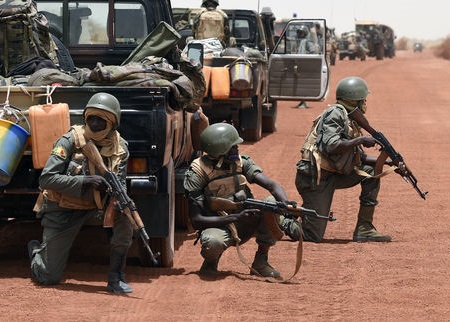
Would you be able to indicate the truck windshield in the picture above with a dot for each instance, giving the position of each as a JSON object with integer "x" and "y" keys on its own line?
{"x": 88, "y": 22}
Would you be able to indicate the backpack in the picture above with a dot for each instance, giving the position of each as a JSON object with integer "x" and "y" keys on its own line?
{"x": 24, "y": 34}
{"x": 211, "y": 24}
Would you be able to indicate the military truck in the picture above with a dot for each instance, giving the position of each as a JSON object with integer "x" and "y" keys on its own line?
{"x": 352, "y": 45}
{"x": 155, "y": 124}
{"x": 373, "y": 34}
{"x": 276, "y": 73}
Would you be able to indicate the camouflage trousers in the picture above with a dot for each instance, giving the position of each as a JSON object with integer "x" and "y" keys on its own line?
{"x": 60, "y": 229}
{"x": 320, "y": 198}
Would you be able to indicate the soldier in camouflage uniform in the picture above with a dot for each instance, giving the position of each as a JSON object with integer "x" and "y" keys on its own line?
{"x": 224, "y": 173}
{"x": 73, "y": 193}
{"x": 212, "y": 22}
{"x": 333, "y": 158}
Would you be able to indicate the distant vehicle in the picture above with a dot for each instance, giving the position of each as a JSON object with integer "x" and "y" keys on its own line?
{"x": 379, "y": 37}
{"x": 276, "y": 74}
{"x": 352, "y": 45}
{"x": 417, "y": 47}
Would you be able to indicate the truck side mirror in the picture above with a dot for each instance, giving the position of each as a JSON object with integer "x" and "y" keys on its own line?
{"x": 195, "y": 52}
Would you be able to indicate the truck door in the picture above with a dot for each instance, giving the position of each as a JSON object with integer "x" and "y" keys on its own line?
{"x": 298, "y": 68}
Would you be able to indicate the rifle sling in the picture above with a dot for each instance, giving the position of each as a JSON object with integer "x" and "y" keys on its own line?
{"x": 298, "y": 261}
{"x": 379, "y": 173}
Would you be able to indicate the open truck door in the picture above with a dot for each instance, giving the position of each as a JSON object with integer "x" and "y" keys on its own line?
{"x": 298, "y": 69}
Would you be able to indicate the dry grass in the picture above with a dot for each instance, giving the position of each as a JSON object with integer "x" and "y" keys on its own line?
{"x": 443, "y": 49}
{"x": 440, "y": 47}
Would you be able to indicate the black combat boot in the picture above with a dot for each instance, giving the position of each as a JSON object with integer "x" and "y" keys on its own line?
{"x": 116, "y": 277}
{"x": 262, "y": 266}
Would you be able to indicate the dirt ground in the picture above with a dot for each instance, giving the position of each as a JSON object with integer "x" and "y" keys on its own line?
{"x": 405, "y": 280}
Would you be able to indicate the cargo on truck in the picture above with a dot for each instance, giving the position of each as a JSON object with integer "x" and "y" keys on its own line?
{"x": 244, "y": 82}
{"x": 127, "y": 49}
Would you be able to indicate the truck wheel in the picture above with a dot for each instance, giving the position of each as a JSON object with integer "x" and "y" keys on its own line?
{"x": 333, "y": 59}
{"x": 269, "y": 118}
{"x": 251, "y": 120}
{"x": 380, "y": 52}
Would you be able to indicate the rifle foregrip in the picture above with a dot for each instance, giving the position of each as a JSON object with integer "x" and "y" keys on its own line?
{"x": 110, "y": 212}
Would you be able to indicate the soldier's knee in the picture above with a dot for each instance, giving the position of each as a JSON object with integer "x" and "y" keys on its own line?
{"x": 212, "y": 248}
{"x": 313, "y": 229}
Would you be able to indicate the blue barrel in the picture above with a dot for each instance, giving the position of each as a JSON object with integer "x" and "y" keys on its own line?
{"x": 13, "y": 140}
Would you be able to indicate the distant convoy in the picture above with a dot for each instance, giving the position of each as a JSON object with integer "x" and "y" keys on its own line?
{"x": 369, "y": 39}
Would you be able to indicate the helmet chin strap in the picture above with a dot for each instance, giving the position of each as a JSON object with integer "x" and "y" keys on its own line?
{"x": 221, "y": 159}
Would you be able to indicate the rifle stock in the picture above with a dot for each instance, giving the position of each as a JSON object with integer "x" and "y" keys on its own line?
{"x": 119, "y": 199}
{"x": 387, "y": 150}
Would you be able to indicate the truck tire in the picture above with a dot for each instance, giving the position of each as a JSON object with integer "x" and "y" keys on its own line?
{"x": 251, "y": 120}
{"x": 379, "y": 52}
{"x": 333, "y": 59}
{"x": 269, "y": 118}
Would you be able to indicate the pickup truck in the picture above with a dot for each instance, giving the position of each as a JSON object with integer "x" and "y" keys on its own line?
{"x": 155, "y": 126}
{"x": 277, "y": 73}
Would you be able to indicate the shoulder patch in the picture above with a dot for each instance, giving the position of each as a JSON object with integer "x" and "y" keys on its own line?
{"x": 59, "y": 151}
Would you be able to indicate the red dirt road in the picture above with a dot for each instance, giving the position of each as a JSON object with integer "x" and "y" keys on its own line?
{"x": 405, "y": 280}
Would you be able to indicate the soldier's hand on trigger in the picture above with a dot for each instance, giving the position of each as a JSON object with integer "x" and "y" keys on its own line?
{"x": 247, "y": 213}
{"x": 402, "y": 169}
{"x": 95, "y": 181}
{"x": 367, "y": 141}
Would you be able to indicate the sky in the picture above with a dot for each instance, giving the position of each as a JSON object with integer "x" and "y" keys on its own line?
{"x": 422, "y": 20}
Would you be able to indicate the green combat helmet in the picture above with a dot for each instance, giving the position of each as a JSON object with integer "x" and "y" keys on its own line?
{"x": 302, "y": 31}
{"x": 217, "y": 139}
{"x": 352, "y": 88}
{"x": 206, "y": 2}
{"x": 106, "y": 102}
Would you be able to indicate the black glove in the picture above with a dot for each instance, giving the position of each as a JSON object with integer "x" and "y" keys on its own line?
{"x": 96, "y": 182}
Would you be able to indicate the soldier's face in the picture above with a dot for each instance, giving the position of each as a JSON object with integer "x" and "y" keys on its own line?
{"x": 233, "y": 154}
{"x": 96, "y": 123}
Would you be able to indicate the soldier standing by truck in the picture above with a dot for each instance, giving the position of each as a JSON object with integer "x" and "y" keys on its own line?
{"x": 304, "y": 45}
{"x": 212, "y": 22}
{"x": 74, "y": 193}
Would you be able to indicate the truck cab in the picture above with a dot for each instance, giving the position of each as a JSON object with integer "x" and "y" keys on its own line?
{"x": 155, "y": 124}
{"x": 109, "y": 30}
{"x": 278, "y": 73}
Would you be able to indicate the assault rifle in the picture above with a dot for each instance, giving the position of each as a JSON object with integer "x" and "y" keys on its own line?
{"x": 119, "y": 199}
{"x": 222, "y": 204}
{"x": 387, "y": 150}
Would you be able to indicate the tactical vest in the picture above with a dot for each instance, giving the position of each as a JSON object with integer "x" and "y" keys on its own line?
{"x": 221, "y": 183}
{"x": 310, "y": 151}
{"x": 210, "y": 24}
{"x": 77, "y": 166}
